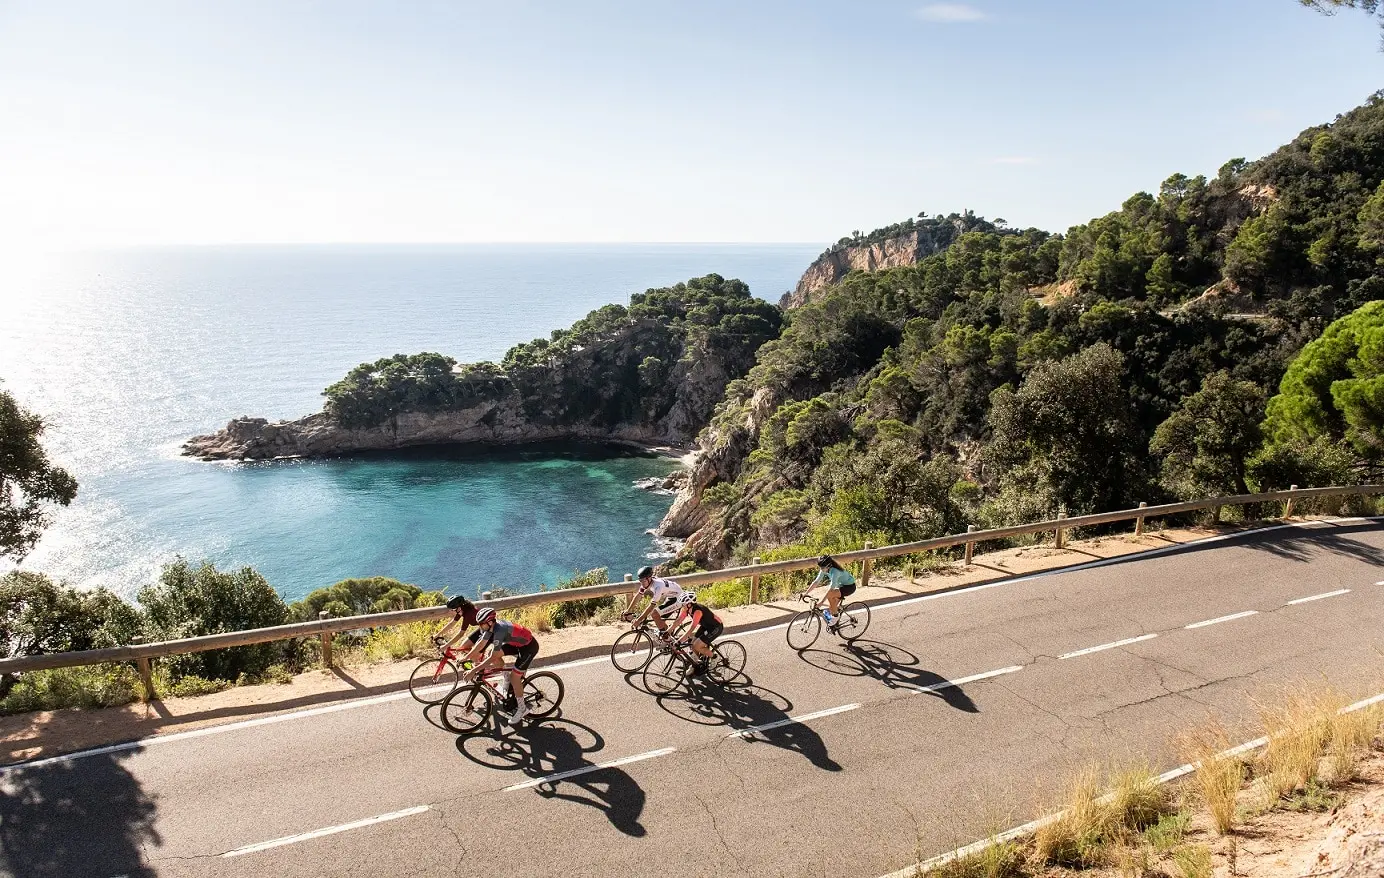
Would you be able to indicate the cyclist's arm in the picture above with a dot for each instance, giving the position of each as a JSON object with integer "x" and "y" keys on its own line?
{"x": 696, "y": 622}
{"x": 634, "y": 599}
{"x": 442, "y": 632}
{"x": 821, "y": 577}
{"x": 480, "y": 644}
{"x": 460, "y": 632}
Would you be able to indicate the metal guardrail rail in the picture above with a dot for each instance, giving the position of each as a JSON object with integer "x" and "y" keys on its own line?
{"x": 141, "y": 653}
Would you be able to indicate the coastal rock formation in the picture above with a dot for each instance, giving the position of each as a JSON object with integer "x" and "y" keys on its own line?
{"x": 891, "y": 247}
{"x": 319, "y": 435}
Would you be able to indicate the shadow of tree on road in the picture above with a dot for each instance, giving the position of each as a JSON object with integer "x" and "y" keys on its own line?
{"x": 553, "y": 747}
{"x": 86, "y": 817}
{"x": 1289, "y": 543}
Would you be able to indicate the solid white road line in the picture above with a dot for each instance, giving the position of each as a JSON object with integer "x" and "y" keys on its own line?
{"x": 562, "y": 775}
{"x": 1317, "y": 597}
{"x": 744, "y": 733}
{"x": 1104, "y": 646}
{"x": 318, "y": 833}
{"x": 947, "y": 684}
{"x": 1220, "y": 619}
{"x": 398, "y": 696}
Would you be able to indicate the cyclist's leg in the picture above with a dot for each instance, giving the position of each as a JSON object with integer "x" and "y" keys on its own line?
{"x": 834, "y": 601}
{"x": 523, "y": 657}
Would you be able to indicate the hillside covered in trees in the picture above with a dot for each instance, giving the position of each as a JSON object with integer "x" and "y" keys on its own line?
{"x": 1018, "y": 373}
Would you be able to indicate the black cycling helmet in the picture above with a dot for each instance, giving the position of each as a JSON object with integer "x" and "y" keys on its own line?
{"x": 645, "y": 572}
{"x": 825, "y": 561}
{"x": 458, "y": 603}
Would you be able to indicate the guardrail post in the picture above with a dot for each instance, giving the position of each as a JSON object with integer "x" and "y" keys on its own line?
{"x": 1139, "y": 522}
{"x": 326, "y": 642}
{"x": 146, "y": 673}
{"x": 865, "y": 567}
{"x": 1061, "y": 539}
{"x": 754, "y": 583}
{"x": 629, "y": 595}
{"x": 1288, "y": 507}
{"x": 970, "y": 544}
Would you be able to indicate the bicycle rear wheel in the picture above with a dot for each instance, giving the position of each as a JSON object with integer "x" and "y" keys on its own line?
{"x": 804, "y": 629}
{"x": 631, "y": 651}
{"x": 467, "y": 708}
{"x": 433, "y": 680}
{"x": 663, "y": 675}
{"x": 729, "y": 662}
{"x": 853, "y": 621}
{"x": 542, "y": 693}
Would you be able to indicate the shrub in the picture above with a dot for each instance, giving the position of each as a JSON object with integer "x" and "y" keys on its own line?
{"x": 577, "y": 612}
{"x": 190, "y": 602}
{"x": 354, "y": 597}
{"x": 93, "y": 686}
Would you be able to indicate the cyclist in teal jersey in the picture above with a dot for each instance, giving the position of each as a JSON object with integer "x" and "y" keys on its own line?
{"x": 840, "y": 584}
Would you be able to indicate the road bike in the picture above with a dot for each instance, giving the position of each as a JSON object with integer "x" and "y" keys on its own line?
{"x": 634, "y": 649}
{"x": 806, "y": 627}
{"x": 468, "y": 707}
{"x": 676, "y": 662}
{"x": 434, "y": 679}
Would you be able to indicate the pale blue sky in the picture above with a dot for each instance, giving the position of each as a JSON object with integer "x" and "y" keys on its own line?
{"x": 649, "y": 120}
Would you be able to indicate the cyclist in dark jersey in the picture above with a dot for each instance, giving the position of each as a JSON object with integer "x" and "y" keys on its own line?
{"x": 706, "y": 627}
{"x": 463, "y": 612}
{"x": 502, "y": 638}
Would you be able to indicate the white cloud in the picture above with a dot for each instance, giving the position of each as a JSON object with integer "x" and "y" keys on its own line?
{"x": 1014, "y": 160}
{"x": 951, "y": 13}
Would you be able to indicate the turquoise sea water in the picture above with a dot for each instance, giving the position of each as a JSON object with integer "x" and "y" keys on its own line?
{"x": 128, "y": 353}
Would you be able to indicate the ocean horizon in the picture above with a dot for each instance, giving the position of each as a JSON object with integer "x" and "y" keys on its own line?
{"x": 127, "y": 353}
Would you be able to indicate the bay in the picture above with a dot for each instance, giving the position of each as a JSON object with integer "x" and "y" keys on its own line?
{"x": 127, "y": 353}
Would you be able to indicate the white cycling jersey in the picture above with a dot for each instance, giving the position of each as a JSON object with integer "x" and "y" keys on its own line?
{"x": 664, "y": 593}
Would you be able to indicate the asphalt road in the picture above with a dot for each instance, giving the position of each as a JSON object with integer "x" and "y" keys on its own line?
{"x": 888, "y": 763}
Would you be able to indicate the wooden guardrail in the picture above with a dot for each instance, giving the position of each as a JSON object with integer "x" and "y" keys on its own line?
{"x": 324, "y": 627}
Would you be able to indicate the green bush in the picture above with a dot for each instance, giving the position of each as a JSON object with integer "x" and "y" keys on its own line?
{"x": 93, "y": 686}
{"x": 191, "y": 602}
{"x": 355, "y": 597}
{"x": 577, "y": 612}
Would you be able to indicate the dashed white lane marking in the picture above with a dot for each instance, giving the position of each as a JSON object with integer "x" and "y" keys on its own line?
{"x": 1221, "y": 619}
{"x": 318, "y": 833}
{"x": 563, "y": 775}
{"x": 744, "y": 733}
{"x": 398, "y": 696}
{"x": 1104, "y": 646}
{"x": 947, "y": 684}
{"x": 1317, "y": 597}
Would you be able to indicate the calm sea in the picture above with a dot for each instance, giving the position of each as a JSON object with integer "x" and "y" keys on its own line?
{"x": 127, "y": 353}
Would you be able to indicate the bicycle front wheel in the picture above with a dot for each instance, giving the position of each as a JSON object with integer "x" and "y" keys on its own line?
{"x": 433, "y": 680}
{"x": 631, "y": 651}
{"x": 804, "y": 629}
{"x": 854, "y": 619}
{"x": 542, "y": 693}
{"x": 467, "y": 709}
{"x": 729, "y": 662}
{"x": 663, "y": 675}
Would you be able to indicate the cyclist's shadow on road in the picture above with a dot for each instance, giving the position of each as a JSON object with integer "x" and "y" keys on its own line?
{"x": 555, "y": 747}
{"x": 744, "y": 709}
{"x": 892, "y": 665}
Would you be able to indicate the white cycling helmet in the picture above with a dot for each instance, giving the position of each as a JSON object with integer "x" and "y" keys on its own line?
{"x": 686, "y": 597}
{"x": 484, "y": 614}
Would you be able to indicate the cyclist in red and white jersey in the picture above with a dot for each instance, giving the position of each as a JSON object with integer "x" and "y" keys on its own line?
{"x": 502, "y": 639}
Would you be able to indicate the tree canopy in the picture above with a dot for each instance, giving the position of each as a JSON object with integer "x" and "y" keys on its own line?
{"x": 29, "y": 484}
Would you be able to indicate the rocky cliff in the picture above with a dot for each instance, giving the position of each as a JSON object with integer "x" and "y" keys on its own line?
{"x": 319, "y": 435}
{"x": 891, "y": 247}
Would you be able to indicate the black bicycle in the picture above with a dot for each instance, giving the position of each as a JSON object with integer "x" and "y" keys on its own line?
{"x": 675, "y": 665}
{"x": 634, "y": 649}
{"x": 806, "y": 627}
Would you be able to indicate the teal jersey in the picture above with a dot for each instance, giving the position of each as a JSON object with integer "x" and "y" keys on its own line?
{"x": 837, "y": 578}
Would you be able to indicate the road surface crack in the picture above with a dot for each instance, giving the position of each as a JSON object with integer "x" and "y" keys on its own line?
{"x": 716, "y": 827}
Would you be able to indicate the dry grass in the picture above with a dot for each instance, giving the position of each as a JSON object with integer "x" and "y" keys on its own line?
{"x": 399, "y": 642}
{"x": 1217, "y": 778}
{"x": 1137, "y": 800}
{"x": 1000, "y": 860}
{"x": 1299, "y": 728}
{"x": 1193, "y": 861}
{"x": 1075, "y": 839}
{"x": 1351, "y": 736}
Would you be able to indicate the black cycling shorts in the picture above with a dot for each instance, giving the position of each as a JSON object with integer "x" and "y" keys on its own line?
{"x": 846, "y": 590}
{"x": 524, "y": 654}
{"x": 709, "y": 631}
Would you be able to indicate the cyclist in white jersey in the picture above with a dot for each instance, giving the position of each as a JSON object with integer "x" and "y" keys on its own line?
{"x": 663, "y": 599}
